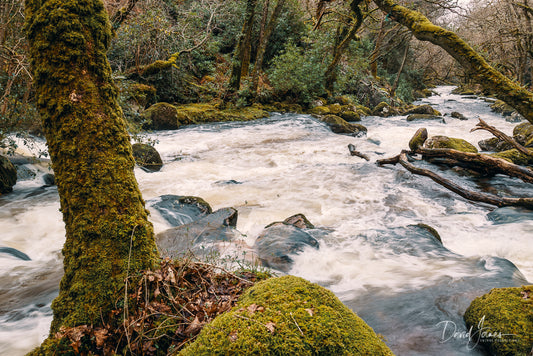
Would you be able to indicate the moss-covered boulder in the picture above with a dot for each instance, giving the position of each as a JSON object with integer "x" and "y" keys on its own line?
{"x": 340, "y": 126}
{"x": 515, "y": 157}
{"x": 350, "y": 116}
{"x": 384, "y": 110}
{"x": 502, "y": 108}
{"x": 523, "y": 134}
{"x": 147, "y": 157}
{"x": 319, "y": 110}
{"x": 422, "y": 109}
{"x": 448, "y": 142}
{"x": 418, "y": 139}
{"x": 415, "y": 117}
{"x": 502, "y": 320}
{"x": 8, "y": 175}
{"x": 494, "y": 144}
{"x": 287, "y": 316}
{"x": 458, "y": 115}
{"x": 363, "y": 110}
{"x": 161, "y": 116}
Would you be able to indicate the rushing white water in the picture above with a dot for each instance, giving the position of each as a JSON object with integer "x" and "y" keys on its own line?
{"x": 288, "y": 164}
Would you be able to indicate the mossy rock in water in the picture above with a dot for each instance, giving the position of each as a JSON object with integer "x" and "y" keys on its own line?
{"x": 319, "y": 110}
{"x": 350, "y": 115}
{"x": 202, "y": 113}
{"x": 8, "y": 175}
{"x": 335, "y": 108}
{"x": 502, "y": 320}
{"x": 502, "y": 108}
{"x": 147, "y": 157}
{"x": 161, "y": 116}
{"x": 448, "y": 142}
{"x": 494, "y": 144}
{"x": 414, "y": 117}
{"x": 423, "y": 109}
{"x": 340, "y": 126}
{"x": 523, "y": 134}
{"x": 384, "y": 110}
{"x": 364, "y": 110}
{"x": 287, "y": 316}
{"x": 515, "y": 156}
{"x": 418, "y": 139}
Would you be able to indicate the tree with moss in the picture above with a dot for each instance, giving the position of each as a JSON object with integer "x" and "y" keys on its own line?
{"x": 474, "y": 64}
{"x": 108, "y": 235}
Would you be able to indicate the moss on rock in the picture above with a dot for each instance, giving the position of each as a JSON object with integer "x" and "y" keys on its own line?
{"x": 385, "y": 110}
{"x": 515, "y": 157}
{"x": 502, "y": 320}
{"x": 448, "y": 142}
{"x": 319, "y": 110}
{"x": 414, "y": 117}
{"x": 423, "y": 109}
{"x": 8, "y": 175}
{"x": 161, "y": 116}
{"x": 340, "y": 126}
{"x": 350, "y": 115}
{"x": 418, "y": 139}
{"x": 523, "y": 134}
{"x": 146, "y": 156}
{"x": 287, "y": 316}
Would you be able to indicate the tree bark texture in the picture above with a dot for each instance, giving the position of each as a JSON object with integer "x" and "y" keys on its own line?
{"x": 492, "y": 80}
{"x": 108, "y": 235}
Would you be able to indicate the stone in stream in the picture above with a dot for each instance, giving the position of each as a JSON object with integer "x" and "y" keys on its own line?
{"x": 279, "y": 240}
{"x": 340, "y": 126}
{"x": 200, "y": 237}
{"x": 414, "y": 117}
{"x": 8, "y": 175}
{"x": 448, "y": 142}
{"x": 423, "y": 110}
{"x": 179, "y": 210}
{"x": 458, "y": 115}
{"x": 147, "y": 157}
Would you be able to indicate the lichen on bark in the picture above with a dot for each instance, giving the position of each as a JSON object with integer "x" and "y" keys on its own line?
{"x": 108, "y": 235}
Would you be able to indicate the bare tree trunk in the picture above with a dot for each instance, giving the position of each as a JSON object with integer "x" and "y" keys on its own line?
{"x": 492, "y": 80}
{"x": 400, "y": 70}
{"x": 108, "y": 235}
{"x": 377, "y": 48}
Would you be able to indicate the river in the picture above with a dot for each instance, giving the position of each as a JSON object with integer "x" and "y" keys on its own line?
{"x": 410, "y": 289}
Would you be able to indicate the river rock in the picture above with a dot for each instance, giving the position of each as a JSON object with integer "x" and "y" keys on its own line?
{"x": 161, "y": 116}
{"x": 179, "y": 210}
{"x": 147, "y": 157}
{"x": 49, "y": 179}
{"x": 340, "y": 126}
{"x": 502, "y": 108}
{"x": 494, "y": 144}
{"x": 458, "y": 115}
{"x": 449, "y": 142}
{"x": 8, "y": 175}
{"x": 384, "y": 110}
{"x": 418, "y": 139}
{"x": 423, "y": 109}
{"x": 350, "y": 116}
{"x": 200, "y": 237}
{"x": 279, "y": 240}
{"x": 523, "y": 134}
{"x": 414, "y": 117}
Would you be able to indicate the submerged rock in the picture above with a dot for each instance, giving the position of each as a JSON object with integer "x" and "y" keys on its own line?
{"x": 502, "y": 320}
{"x": 8, "y": 175}
{"x": 510, "y": 214}
{"x": 14, "y": 252}
{"x": 458, "y": 115}
{"x": 279, "y": 240}
{"x": 147, "y": 157}
{"x": 448, "y": 142}
{"x": 288, "y": 316}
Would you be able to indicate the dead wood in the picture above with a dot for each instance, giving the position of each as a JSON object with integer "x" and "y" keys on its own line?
{"x": 354, "y": 152}
{"x": 482, "y": 125}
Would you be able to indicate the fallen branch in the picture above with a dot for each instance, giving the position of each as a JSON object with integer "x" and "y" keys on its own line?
{"x": 354, "y": 152}
{"x": 482, "y": 125}
{"x": 465, "y": 193}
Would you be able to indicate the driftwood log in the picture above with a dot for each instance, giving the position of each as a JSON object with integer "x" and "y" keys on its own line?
{"x": 483, "y": 163}
{"x": 354, "y": 152}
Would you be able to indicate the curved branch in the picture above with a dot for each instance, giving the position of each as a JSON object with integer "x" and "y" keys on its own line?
{"x": 482, "y": 125}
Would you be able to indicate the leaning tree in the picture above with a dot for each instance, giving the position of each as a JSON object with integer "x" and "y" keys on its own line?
{"x": 108, "y": 235}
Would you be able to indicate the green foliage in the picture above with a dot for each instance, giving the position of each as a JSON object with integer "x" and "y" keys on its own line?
{"x": 298, "y": 74}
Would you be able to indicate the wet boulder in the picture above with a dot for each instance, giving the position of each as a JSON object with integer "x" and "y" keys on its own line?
{"x": 501, "y": 320}
{"x": 418, "y": 139}
{"x": 423, "y": 110}
{"x": 448, "y": 142}
{"x": 458, "y": 115}
{"x": 49, "y": 179}
{"x": 200, "y": 237}
{"x": 8, "y": 175}
{"x": 417, "y": 117}
{"x": 502, "y": 108}
{"x": 279, "y": 240}
{"x": 179, "y": 210}
{"x": 523, "y": 134}
{"x": 494, "y": 144}
{"x": 147, "y": 157}
{"x": 350, "y": 115}
{"x": 161, "y": 116}
{"x": 340, "y": 126}
{"x": 384, "y": 110}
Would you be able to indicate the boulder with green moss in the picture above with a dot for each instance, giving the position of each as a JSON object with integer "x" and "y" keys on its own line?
{"x": 350, "y": 115}
{"x": 161, "y": 116}
{"x": 422, "y": 109}
{"x": 384, "y": 110}
{"x": 287, "y": 316}
{"x": 418, "y": 139}
{"x": 415, "y": 117}
{"x": 515, "y": 156}
{"x": 8, "y": 175}
{"x": 319, "y": 110}
{"x": 340, "y": 126}
{"x": 448, "y": 142}
{"x": 502, "y": 321}
{"x": 502, "y": 108}
{"x": 147, "y": 157}
{"x": 523, "y": 134}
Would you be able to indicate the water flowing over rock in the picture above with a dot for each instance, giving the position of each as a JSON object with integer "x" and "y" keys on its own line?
{"x": 448, "y": 142}
{"x": 279, "y": 240}
{"x": 147, "y": 157}
{"x": 423, "y": 109}
{"x": 180, "y": 210}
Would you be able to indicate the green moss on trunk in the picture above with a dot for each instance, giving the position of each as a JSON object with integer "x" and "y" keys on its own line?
{"x": 108, "y": 235}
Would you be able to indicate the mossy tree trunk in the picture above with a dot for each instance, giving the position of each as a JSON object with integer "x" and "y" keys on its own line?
{"x": 241, "y": 59}
{"x": 108, "y": 235}
{"x": 263, "y": 41}
{"x": 345, "y": 35}
{"x": 473, "y": 63}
